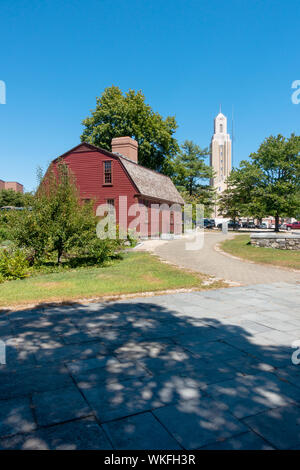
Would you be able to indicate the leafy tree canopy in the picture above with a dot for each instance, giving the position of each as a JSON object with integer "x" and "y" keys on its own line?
{"x": 58, "y": 222}
{"x": 9, "y": 197}
{"x": 191, "y": 175}
{"x": 118, "y": 115}
{"x": 269, "y": 184}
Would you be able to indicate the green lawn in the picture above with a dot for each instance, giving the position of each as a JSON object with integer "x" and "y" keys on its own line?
{"x": 239, "y": 247}
{"x": 137, "y": 272}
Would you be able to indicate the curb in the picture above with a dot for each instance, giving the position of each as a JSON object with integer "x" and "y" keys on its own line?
{"x": 105, "y": 298}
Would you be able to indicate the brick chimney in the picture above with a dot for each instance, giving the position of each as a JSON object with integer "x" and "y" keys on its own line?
{"x": 126, "y": 146}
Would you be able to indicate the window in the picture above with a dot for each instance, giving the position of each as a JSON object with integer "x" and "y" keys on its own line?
{"x": 111, "y": 204}
{"x": 107, "y": 172}
{"x": 221, "y": 128}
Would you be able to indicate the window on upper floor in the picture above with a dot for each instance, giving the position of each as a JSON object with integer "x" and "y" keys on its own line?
{"x": 107, "y": 166}
{"x": 221, "y": 128}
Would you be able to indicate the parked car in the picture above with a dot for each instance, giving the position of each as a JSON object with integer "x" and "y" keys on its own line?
{"x": 249, "y": 225}
{"x": 263, "y": 225}
{"x": 293, "y": 226}
{"x": 231, "y": 224}
{"x": 13, "y": 208}
{"x": 209, "y": 223}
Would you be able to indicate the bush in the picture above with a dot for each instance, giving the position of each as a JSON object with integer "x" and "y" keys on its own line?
{"x": 13, "y": 264}
{"x": 4, "y": 234}
{"x": 103, "y": 250}
{"x": 132, "y": 238}
{"x": 5, "y": 228}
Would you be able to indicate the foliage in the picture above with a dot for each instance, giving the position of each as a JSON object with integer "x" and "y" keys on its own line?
{"x": 132, "y": 238}
{"x": 13, "y": 264}
{"x": 118, "y": 115}
{"x": 5, "y": 229}
{"x": 59, "y": 223}
{"x": 229, "y": 204}
{"x": 9, "y": 197}
{"x": 190, "y": 174}
{"x": 270, "y": 183}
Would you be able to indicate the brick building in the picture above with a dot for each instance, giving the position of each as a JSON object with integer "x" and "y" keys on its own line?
{"x": 14, "y": 185}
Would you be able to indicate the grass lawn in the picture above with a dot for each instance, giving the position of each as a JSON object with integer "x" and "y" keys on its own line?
{"x": 239, "y": 247}
{"x": 137, "y": 272}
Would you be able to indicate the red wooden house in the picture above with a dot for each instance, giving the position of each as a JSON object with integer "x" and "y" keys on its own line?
{"x": 104, "y": 176}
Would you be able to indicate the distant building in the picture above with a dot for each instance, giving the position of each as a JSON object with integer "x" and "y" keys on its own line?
{"x": 14, "y": 185}
{"x": 220, "y": 155}
{"x": 19, "y": 188}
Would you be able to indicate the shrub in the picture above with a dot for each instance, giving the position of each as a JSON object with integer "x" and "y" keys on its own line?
{"x": 5, "y": 229}
{"x": 13, "y": 264}
{"x": 103, "y": 250}
{"x": 132, "y": 238}
{"x": 4, "y": 234}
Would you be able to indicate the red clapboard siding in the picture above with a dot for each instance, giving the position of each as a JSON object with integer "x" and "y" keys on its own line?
{"x": 87, "y": 167}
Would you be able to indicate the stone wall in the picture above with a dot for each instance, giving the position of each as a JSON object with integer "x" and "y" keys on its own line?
{"x": 281, "y": 241}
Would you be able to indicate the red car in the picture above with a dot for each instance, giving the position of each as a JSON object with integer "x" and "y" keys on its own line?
{"x": 293, "y": 226}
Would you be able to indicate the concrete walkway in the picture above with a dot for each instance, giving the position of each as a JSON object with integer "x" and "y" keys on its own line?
{"x": 207, "y": 370}
{"x": 207, "y": 260}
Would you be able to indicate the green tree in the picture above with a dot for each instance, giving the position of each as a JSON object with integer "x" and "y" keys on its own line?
{"x": 118, "y": 115}
{"x": 9, "y": 197}
{"x": 58, "y": 222}
{"x": 242, "y": 198}
{"x": 229, "y": 204}
{"x": 191, "y": 174}
{"x": 269, "y": 184}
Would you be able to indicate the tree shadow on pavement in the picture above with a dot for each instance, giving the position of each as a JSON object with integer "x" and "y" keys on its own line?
{"x": 142, "y": 375}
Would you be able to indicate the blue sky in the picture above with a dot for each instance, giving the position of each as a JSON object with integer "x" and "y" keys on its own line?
{"x": 187, "y": 56}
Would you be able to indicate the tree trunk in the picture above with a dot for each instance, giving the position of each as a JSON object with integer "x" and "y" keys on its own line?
{"x": 59, "y": 255}
{"x": 276, "y": 223}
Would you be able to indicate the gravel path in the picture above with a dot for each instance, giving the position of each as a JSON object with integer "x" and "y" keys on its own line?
{"x": 209, "y": 261}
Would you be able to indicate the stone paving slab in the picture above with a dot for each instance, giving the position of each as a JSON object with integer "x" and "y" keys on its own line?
{"x": 15, "y": 416}
{"x": 251, "y": 394}
{"x": 245, "y": 441}
{"x": 115, "y": 371}
{"x": 79, "y": 367}
{"x": 61, "y": 405}
{"x": 142, "y": 431}
{"x": 61, "y": 354}
{"x": 26, "y": 381}
{"x": 280, "y": 426}
{"x": 196, "y": 424}
{"x": 209, "y": 369}
{"x": 78, "y": 435}
{"x": 119, "y": 400}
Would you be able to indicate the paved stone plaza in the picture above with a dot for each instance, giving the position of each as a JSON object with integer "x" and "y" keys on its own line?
{"x": 207, "y": 370}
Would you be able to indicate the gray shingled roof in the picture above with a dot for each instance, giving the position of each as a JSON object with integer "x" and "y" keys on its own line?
{"x": 151, "y": 183}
